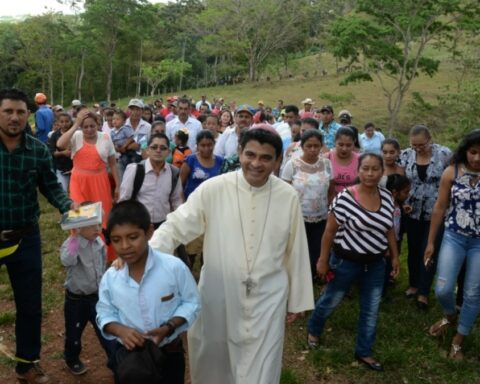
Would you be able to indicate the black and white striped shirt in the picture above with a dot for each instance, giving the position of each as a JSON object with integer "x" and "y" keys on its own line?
{"x": 362, "y": 231}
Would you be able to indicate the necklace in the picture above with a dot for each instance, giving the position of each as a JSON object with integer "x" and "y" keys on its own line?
{"x": 248, "y": 282}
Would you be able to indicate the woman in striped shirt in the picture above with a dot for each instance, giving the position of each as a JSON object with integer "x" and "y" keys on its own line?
{"x": 360, "y": 229}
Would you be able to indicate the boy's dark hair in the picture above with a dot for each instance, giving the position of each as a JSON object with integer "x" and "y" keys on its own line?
{"x": 397, "y": 182}
{"x": 158, "y": 118}
{"x": 159, "y": 136}
{"x": 120, "y": 113}
{"x": 311, "y": 121}
{"x": 63, "y": 114}
{"x": 202, "y": 118}
{"x": 128, "y": 212}
{"x": 182, "y": 136}
{"x": 369, "y": 125}
{"x": 291, "y": 108}
{"x": 263, "y": 136}
{"x": 108, "y": 112}
{"x": 13, "y": 94}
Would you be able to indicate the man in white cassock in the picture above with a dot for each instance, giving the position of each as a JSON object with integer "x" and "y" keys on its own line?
{"x": 256, "y": 268}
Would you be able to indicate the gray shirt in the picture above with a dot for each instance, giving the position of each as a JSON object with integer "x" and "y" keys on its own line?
{"x": 85, "y": 262}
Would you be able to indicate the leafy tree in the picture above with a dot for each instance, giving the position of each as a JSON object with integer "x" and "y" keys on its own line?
{"x": 157, "y": 73}
{"x": 253, "y": 30}
{"x": 107, "y": 22}
{"x": 388, "y": 38}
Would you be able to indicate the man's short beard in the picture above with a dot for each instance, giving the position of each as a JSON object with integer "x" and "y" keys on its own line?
{"x": 11, "y": 134}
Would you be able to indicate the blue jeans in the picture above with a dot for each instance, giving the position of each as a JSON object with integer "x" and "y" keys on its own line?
{"x": 370, "y": 278}
{"x": 457, "y": 249}
{"x": 24, "y": 268}
{"x": 79, "y": 310}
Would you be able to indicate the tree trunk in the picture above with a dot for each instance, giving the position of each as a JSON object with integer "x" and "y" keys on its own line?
{"x": 215, "y": 78}
{"x": 109, "y": 78}
{"x": 50, "y": 81}
{"x": 180, "y": 83}
{"x": 139, "y": 79}
{"x": 62, "y": 87}
{"x": 82, "y": 74}
{"x": 251, "y": 69}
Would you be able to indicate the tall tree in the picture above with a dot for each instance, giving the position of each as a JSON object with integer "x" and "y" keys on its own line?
{"x": 390, "y": 38}
{"x": 107, "y": 21}
{"x": 253, "y": 30}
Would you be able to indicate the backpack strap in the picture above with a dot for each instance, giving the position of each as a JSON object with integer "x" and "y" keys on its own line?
{"x": 175, "y": 176}
{"x": 138, "y": 181}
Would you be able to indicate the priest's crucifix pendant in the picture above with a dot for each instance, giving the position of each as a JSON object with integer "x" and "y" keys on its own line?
{"x": 249, "y": 285}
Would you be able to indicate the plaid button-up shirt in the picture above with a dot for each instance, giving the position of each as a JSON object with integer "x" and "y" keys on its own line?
{"x": 21, "y": 171}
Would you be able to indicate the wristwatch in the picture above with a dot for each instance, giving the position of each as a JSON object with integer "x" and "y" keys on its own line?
{"x": 171, "y": 325}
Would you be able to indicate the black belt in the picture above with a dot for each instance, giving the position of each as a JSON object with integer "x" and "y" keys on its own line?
{"x": 77, "y": 296}
{"x": 16, "y": 234}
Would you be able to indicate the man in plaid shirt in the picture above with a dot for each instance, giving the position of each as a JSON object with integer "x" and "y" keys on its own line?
{"x": 25, "y": 165}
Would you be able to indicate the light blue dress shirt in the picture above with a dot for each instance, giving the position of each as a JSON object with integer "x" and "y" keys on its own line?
{"x": 167, "y": 290}
{"x": 372, "y": 144}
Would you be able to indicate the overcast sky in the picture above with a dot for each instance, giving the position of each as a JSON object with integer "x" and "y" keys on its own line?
{"x": 37, "y": 7}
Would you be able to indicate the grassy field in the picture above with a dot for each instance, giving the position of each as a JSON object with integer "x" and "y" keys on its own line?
{"x": 365, "y": 100}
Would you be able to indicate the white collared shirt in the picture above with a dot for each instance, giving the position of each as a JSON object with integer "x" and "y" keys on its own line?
{"x": 193, "y": 126}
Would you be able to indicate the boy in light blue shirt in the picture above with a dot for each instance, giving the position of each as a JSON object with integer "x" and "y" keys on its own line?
{"x": 153, "y": 297}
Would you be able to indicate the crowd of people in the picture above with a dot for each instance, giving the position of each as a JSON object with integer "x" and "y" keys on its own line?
{"x": 274, "y": 200}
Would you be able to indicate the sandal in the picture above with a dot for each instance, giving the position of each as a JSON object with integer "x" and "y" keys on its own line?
{"x": 456, "y": 353}
{"x": 313, "y": 342}
{"x": 440, "y": 327}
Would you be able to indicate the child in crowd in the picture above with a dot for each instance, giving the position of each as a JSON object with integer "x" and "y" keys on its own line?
{"x": 84, "y": 256}
{"x": 108, "y": 121}
{"x": 212, "y": 123}
{"x": 391, "y": 152}
{"x": 61, "y": 157}
{"x": 399, "y": 186}
{"x": 182, "y": 150}
{"x": 146, "y": 304}
{"x": 122, "y": 137}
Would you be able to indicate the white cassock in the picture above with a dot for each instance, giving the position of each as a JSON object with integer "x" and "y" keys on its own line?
{"x": 238, "y": 338}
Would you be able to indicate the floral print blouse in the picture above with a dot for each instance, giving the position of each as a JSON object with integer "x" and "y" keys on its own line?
{"x": 423, "y": 194}
{"x": 463, "y": 215}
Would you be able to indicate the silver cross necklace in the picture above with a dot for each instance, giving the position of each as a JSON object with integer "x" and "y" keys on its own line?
{"x": 248, "y": 282}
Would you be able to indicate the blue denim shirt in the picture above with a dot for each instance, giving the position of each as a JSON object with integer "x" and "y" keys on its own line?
{"x": 43, "y": 123}
{"x": 167, "y": 289}
{"x": 329, "y": 133}
{"x": 424, "y": 194}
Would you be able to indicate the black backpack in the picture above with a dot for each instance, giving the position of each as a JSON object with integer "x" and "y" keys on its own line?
{"x": 140, "y": 176}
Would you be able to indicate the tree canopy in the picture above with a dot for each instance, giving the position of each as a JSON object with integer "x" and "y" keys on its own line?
{"x": 127, "y": 48}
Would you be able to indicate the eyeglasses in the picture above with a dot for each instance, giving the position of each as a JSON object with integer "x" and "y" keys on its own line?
{"x": 158, "y": 147}
{"x": 420, "y": 146}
